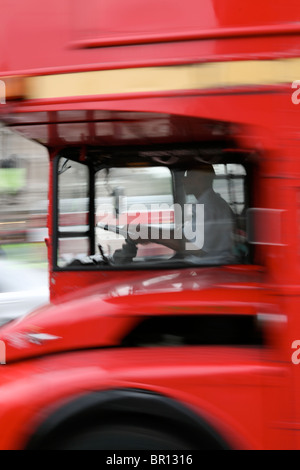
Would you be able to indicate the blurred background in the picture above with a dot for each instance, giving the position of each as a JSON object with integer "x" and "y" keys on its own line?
{"x": 23, "y": 222}
{"x": 23, "y": 199}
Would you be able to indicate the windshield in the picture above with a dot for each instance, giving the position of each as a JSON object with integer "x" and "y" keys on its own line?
{"x": 150, "y": 215}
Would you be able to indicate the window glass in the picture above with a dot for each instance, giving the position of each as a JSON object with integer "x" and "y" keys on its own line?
{"x": 73, "y": 204}
{"x": 72, "y": 249}
{"x": 73, "y": 195}
{"x": 229, "y": 183}
{"x": 132, "y": 197}
{"x": 151, "y": 216}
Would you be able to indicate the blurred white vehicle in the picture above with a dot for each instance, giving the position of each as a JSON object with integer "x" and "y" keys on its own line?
{"x": 22, "y": 289}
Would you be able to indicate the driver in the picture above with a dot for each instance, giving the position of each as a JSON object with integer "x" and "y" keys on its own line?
{"x": 217, "y": 243}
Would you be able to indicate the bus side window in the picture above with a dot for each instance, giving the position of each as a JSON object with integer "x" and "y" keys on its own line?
{"x": 73, "y": 206}
{"x": 230, "y": 184}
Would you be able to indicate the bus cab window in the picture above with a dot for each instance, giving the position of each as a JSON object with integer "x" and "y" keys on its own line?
{"x": 150, "y": 216}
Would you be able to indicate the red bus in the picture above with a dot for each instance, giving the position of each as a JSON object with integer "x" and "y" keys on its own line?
{"x": 155, "y": 340}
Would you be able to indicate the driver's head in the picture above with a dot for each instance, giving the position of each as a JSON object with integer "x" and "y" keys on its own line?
{"x": 198, "y": 180}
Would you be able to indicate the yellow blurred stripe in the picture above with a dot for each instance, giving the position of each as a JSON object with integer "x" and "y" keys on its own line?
{"x": 213, "y": 75}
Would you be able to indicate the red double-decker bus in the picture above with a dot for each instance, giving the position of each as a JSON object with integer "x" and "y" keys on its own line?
{"x": 162, "y": 332}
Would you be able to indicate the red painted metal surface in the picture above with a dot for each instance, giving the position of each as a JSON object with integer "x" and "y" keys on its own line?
{"x": 243, "y": 378}
{"x": 118, "y": 303}
{"x": 59, "y": 25}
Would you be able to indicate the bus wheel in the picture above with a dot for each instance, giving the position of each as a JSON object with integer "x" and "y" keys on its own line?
{"x": 122, "y": 437}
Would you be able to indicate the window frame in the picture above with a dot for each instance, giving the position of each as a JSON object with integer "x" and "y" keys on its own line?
{"x": 91, "y": 233}
{"x": 57, "y": 234}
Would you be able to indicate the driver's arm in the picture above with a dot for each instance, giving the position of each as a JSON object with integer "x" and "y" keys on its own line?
{"x": 170, "y": 237}
{"x": 149, "y": 234}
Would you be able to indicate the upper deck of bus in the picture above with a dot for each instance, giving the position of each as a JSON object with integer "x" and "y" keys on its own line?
{"x": 72, "y": 62}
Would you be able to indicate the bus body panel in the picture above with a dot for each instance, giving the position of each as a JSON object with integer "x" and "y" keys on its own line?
{"x": 194, "y": 377}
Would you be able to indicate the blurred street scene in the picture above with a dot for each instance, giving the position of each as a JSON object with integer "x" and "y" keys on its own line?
{"x": 23, "y": 219}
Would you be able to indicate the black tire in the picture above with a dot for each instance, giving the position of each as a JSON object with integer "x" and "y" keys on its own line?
{"x": 121, "y": 437}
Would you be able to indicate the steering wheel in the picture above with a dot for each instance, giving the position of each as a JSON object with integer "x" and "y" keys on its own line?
{"x": 128, "y": 251}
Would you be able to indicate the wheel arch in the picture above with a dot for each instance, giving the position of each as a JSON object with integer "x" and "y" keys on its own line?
{"x": 119, "y": 404}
